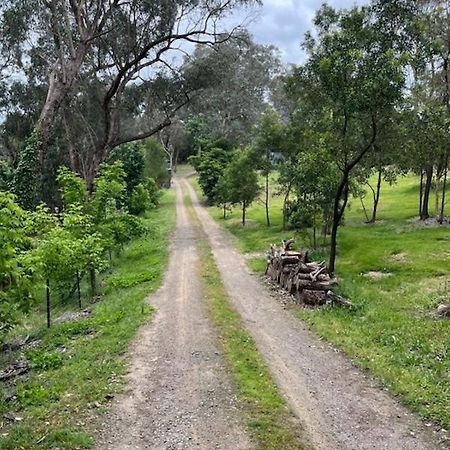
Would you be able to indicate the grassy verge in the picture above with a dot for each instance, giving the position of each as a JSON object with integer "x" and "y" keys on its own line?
{"x": 268, "y": 418}
{"x": 396, "y": 333}
{"x": 79, "y": 365}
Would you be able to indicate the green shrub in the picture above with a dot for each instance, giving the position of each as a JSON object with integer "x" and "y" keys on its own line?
{"x": 140, "y": 200}
{"x": 17, "y": 265}
{"x": 154, "y": 192}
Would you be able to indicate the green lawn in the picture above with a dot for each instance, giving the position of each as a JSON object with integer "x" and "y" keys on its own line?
{"x": 79, "y": 365}
{"x": 395, "y": 333}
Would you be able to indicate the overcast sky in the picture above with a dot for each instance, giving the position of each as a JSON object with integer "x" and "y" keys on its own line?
{"x": 284, "y": 23}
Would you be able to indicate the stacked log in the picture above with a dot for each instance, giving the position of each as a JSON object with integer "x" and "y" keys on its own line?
{"x": 310, "y": 282}
{"x": 444, "y": 310}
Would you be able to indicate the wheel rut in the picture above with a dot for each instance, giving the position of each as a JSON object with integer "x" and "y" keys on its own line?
{"x": 341, "y": 408}
{"x": 179, "y": 395}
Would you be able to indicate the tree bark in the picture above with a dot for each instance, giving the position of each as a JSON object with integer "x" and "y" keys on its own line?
{"x": 421, "y": 193}
{"x": 286, "y": 199}
{"x": 364, "y": 209}
{"x": 78, "y": 289}
{"x": 267, "y": 199}
{"x": 60, "y": 84}
{"x": 314, "y": 232}
{"x": 47, "y": 292}
{"x": 444, "y": 186}
{"x": 376, "y": 197}
{"x": 343, "y": 187}
{"x": 424, "y": 214}
{"x": 93, "y": 282}
{"x": 243, "y": 213}
{"x": 338, "y": 212}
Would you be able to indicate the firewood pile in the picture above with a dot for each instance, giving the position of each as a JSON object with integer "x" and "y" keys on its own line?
{"x": 310, "y": 282}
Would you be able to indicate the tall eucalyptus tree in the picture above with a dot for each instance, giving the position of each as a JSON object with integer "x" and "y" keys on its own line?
{"x": 118, "y": 42}
{"x": 352, "y": 79}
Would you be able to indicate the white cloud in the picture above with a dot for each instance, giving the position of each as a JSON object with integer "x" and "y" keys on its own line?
{"x": 284, "y": 23}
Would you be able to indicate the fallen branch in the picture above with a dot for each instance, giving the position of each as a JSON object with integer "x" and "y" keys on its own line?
{"x": 334, "y": 298}
{"x": 14, "y": 370}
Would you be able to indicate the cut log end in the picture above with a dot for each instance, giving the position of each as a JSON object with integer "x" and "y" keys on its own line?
{"x": 444, "y": 310}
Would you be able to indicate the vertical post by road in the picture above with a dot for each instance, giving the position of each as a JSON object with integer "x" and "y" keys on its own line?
{"x": 47, "y": 290}
{"x": 78, "y": 289}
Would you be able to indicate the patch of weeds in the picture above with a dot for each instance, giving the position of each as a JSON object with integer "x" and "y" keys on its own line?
{"x": 73, "y": 439}
{"x": 35, "y": 394}
{"x": 72, "y": 329}
{"x": 257, "y": 265}
{"x": 20, "y": 433}
{"x": 45, "y": 360}
{"x": 121, "y": 282}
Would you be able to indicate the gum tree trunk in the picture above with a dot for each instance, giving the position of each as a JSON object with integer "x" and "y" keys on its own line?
{"x": 376, "y": 197}
{"x": 424, "y": 214}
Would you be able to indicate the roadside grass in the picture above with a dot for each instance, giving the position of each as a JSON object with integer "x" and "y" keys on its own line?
{"x": 269, "y": 420}
{"x": 79, "y": 365}
{"x": 395, "y": 333}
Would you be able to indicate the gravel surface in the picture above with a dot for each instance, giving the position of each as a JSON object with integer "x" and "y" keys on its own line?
{"x": 179, "y": 393}
{"x": 341, "y": 407}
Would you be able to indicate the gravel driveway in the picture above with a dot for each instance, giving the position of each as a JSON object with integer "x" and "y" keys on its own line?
{"x": 179, "y": 394}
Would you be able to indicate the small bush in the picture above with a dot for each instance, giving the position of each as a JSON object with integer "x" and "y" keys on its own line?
{"x": 140, "y": 200}
{"x": 75, "y": 328}
{"x": 153, "y": 191}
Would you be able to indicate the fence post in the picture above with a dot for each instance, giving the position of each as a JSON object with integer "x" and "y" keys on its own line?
{"x": 78, "y": 289}
{"x": 47, "y": 289}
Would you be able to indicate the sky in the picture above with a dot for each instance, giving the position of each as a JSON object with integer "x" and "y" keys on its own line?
{"x": 283, "y": 23}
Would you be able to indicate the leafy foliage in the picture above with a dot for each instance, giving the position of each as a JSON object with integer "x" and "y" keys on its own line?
{"x": 241, "y": 180}
{"x": 140, "y": 199}
{"x": 72, "y": 187}
{"x": 155, "y": 164}
{"x": 314, "y": 187}
{"x": 6, "y": 175}
{"x": 110, "y": 188}
{"x": 210, "y": 163}
{"x": 42, "y": 246}
{"x": 236, "y": 76}
{"x": 17, "y": 266}
{"x": 26, "y": 180}
{"x": 132, "y": 163}
{"x": 154, "y": 193}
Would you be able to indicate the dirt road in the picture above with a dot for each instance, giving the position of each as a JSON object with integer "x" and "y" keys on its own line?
{"x": 179, "y": 395}
{"x": 342, "y": 409}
